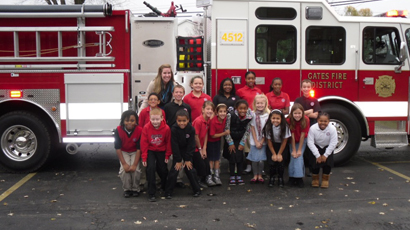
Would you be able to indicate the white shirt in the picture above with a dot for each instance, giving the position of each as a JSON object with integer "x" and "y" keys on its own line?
{"x": 322, "y": 138}
{"x": 277, "y": 132}
{"x": 264, "y": 117}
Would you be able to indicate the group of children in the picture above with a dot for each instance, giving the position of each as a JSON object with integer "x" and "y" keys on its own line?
{"x": 190, "y": 129}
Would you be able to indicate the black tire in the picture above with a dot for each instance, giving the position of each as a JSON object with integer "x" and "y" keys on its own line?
{"x": 349, "y": 132}
{"x": 24, "y": 141}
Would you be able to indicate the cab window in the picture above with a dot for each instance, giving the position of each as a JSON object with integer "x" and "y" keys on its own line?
{"x": 275, "y": 44}
{"x": 325, "y": 45}
{"x": 381, "y": 45}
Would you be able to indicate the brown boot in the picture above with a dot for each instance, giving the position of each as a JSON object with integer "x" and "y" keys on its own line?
{"x": 325, "y": 181}
{"x": 315, "y": 180}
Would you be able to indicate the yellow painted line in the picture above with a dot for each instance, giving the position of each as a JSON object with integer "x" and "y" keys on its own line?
{"x": 394, "y": 162}
{"x": 388, "y": 169}
{"x": 16, "y": 186}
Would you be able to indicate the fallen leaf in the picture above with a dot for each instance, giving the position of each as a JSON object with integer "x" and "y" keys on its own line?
{"x": 320, "y": 194}
{"x": 346, "y": 195}
{"x": 381, "y": 213}
{"x": 224, "y": 203}
{"x": 250, "y": 225}
{"x": 249, "y": 190}
{"x": 290, "y": 206}
{"x": 137, "y": 222}
{"x": 353, "y": 182}
{"x": 122, "y": 220}
{"x": 58, "y": 214}
{"x": 280, "y": 208}
{"x": 53, "y": 201}
{"x": 61, "y": 194}
{"x": 372, "y": 202}
{"x": 26, "y": 196}
{"x": 155, "y": 221}
{"x": 114, "y": 188}
{"x": 10, "y": 214}
{"x": 229, "y": 188}
{"x": 2, "y": 181}
{"x": 340, "y": 189}
{"x": 331, "y": 210}
{"x": 182, "y": 206}
{"x": 316, "y": 227}
{"x": 385, "y": 204}
{"x": 391, "y": 209}
{"x": 53, "y": 219}
{"x": 356, "y": 190}
{"x": 390, "y": 222}
{"x": 297, "y": 198}
{"x": 390, "y": 178}
{"x": 5, "y": 204}
{"x": 349, "y": 178}
{"x": 144, "y": 218}
{"x": 253, "y": 212}
{"x": 271, "y": 205}
{"x": 377, "y": 198}
{"x": 312, "y": 213}
{"x": 349, "y": 210}
{"x": 324, "y": 221}
{"x": 33, "y": 189}
{"x": 347, "y": 185}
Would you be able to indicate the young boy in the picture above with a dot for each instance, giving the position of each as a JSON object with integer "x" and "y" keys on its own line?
{"x": 127, "y": 146}
{"x": 156, "y": 150}
{"x": 153, "y": 102}
{"x": 182, "y": 149}
{"x": 177, "y": 104}
{"x": 312, "y": 108}
{"x": 170, "y": 114}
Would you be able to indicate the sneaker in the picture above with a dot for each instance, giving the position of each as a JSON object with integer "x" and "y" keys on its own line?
{"x": 152, "y": 199}
{"x": 239, "y": 180}
{"x": 135, "y": 194}
{"x": 197, "y": 194}
{"x": 232, "y": 180}
{"x": 127, "y": 194}
{"x": 209, "y": 181}
{"x": 217, "y": 181}
{"x": 280, "y": 182}
{"x": 247, "y": 170}
{"x": 168, "y": 196}
{"x": 202, "y": 184}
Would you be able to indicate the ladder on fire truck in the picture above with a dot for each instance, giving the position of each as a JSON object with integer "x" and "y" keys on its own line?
{"x": 79, "y": 60}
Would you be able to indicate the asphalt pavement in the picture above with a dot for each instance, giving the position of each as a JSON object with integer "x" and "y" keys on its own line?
{"x": 83, "y": 191}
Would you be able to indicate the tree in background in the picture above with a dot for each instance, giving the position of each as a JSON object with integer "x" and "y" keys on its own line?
{"x": 351, "y": 11}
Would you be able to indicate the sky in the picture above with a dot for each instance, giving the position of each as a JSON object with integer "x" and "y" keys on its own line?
{"x": 137, "y": 6}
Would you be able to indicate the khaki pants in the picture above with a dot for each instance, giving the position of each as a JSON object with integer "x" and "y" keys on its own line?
{"x": 130, "y": 180}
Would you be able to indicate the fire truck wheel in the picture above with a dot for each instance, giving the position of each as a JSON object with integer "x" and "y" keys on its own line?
{"x": 25, "y": 142}
{"x": 349, "y": 132}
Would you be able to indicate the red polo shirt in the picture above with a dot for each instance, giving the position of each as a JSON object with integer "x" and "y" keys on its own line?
{"x": 201, "y": 129}
{"x": 278, "y": 102}
{"x": 216, "y": 127}
{"x": 298, "y": 129}
{"x": 196, "y": 103}
{"x": 248, "y": 94}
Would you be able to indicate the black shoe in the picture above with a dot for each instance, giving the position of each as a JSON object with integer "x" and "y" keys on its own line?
{"x": 309, "y": 174}
{"x": 271, "y": 181}
{"x": 180, "y": 185}
{"x": 168, "y": 196}
{"x": 127, "y": 194}
{"x": 152, "y": 199}
{"x": 197, "y": 194}
{"x": 202, "y": 184}
{"x": 135, "y": 194}
{"x": 291, "y": 181}
{"x": 281, "y": 182}
{"x": 300, "y": 183}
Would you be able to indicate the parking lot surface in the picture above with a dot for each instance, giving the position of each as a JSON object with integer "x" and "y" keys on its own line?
{"x": 83, "y": 191}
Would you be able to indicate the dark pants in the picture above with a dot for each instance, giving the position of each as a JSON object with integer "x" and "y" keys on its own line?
{"x": 156, "y": 163}
{"x": 326, "y": 170}
{"x": 201, "y": 165}
{"x": 172, "y": 179}
{"x": 236, "y": 159}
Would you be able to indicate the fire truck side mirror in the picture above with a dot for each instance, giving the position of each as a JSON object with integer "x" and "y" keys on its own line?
{"x": 403, "y": 52}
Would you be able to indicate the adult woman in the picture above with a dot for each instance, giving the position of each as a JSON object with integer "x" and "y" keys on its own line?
{"x": 278, "y": 99}
{"x": 163, "y": 85}
{"x": 226, "y": 94}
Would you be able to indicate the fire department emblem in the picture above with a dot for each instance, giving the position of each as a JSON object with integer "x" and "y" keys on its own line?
{"x": 385, "y": 86}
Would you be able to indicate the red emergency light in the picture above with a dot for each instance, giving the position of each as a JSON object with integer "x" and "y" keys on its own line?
{"x": 312, "y": 93}
{"x": 16, "y": 94}
{"x": 397, "y": 13}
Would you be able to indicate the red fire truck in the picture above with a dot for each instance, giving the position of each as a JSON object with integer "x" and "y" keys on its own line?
{"x": 68, "y": 72}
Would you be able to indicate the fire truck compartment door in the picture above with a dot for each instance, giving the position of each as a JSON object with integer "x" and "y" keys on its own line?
{"x": 232, "y": 43}
{"x": 94, "y": 103}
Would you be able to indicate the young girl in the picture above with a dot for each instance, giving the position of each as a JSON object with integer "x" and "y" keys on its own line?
{"x": 200, "y": 159}
{"x": 238, "y": 123}
{"x": 196, "y": 98}
{"x": 153, "y": 102}
{"x": 226, "y": 94}
{"x": 127, "y": 145}
{"x": 299, "y": 127}
{"x": 277, "y": 132}
{"x": 216, "y": 131}
{"x": 257, "y": 140}
{"x": 322, "y": 142}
